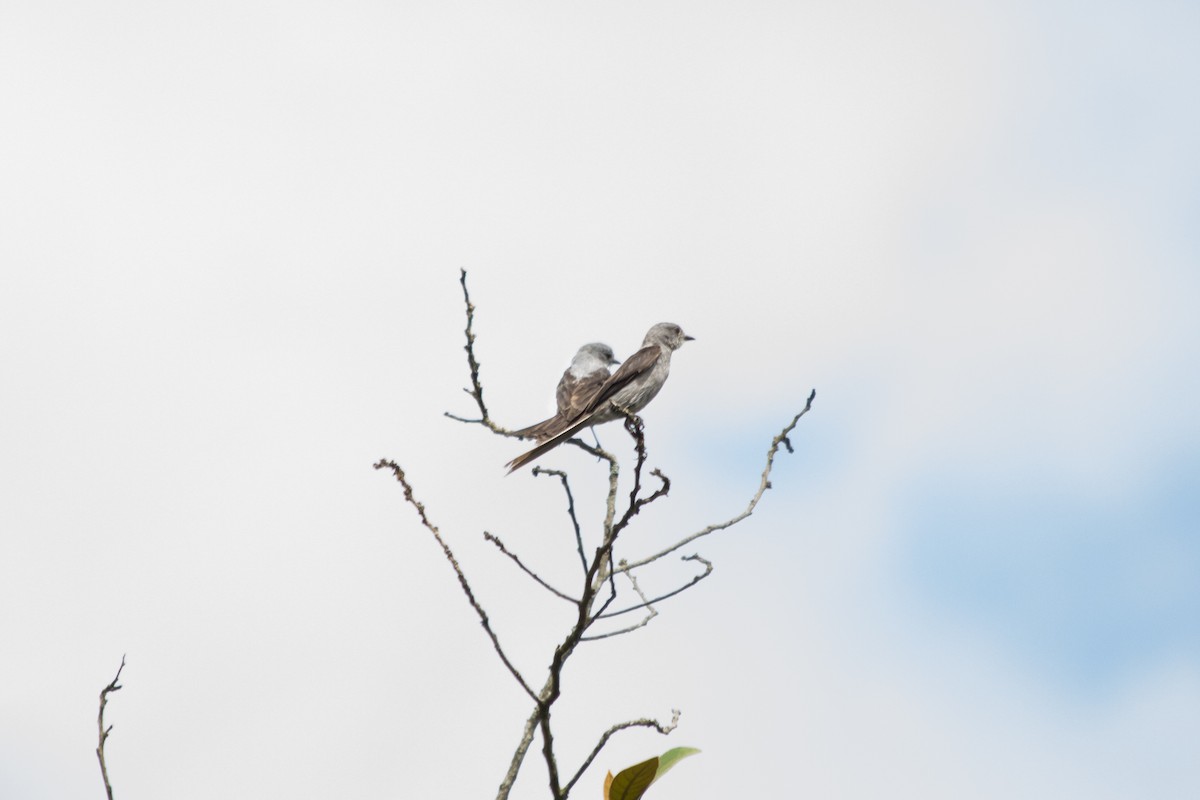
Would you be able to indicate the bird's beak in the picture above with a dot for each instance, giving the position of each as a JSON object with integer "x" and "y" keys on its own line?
{"x": 615, "y": 361}
{"x": 687, "y": 338}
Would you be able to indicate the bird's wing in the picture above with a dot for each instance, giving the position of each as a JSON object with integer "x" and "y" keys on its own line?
{"x": 566, "y": 386}
{"x": 581, "y": 393}
{"x": 634, "y": 367}
{"x": 564, "y": 396}
{"x": 573, "y": 395}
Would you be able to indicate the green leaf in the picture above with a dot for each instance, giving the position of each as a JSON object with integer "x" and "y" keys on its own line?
{"x": 632, "y": 782}
{"x": 671, "y": 758}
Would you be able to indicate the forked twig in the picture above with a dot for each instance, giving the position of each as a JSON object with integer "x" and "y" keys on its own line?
{"x": 708, "y": 568}
{"x": 113, "y": 686}
{"x": 651, "y": 612}
{"x": 637, "y": 430}
{"x": 476, "y": 390}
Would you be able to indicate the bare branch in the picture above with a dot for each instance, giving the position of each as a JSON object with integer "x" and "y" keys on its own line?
{"x": 462, "y": 578}
{"x": 610, "y": 506}
{"x": 518, "y": 758}
{"x": 476, "y": 390}
{"x": 113, "y": 686}
{"x": 651, "y": 614}
{"x": 633, "y": 581}
{"x": 548, "y": 750}
{"x": 612, "y": 590}
{"x": 457, "y": 418}
{"x": 516, "y": 560}
{"x": 764, "y": 484}
{"x": 598, "y": 452}
{"x": 636, "y": 428}
{"x": 708, "y": 568}
{"x": 562, "y": 476}
{"x": 608, "y": 734}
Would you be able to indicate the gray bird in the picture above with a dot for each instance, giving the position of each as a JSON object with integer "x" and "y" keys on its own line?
{"x": 579, "y": 384}
{"x": 627, "y": 390}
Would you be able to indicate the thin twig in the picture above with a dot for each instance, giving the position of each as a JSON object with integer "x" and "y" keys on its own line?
{"x": 764, "y": 484}
{"x": 651, "y": 612}
{"x": 562, "y": 476}
{"x": 612, "y": 593}
{"x": 636, "y": 429}
{"x": 637, "y": 588}
{"x": 457, "y": 418}
{"x": 635, "y": 723}
{"x": 598, "y": 452}
{"x": 708, "y": 568}
{"x": 476, "y": 390}
{"x": 113, "y": 686}
{"x": 516, "y": 560}
{"x": 462, "y": 578}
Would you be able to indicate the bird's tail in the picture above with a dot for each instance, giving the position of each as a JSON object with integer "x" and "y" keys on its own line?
{"x": 548, "y": 445}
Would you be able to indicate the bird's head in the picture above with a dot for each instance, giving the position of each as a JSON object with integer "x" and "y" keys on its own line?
{"x": 599, "y": 352}
{"x": 668, "y": 335}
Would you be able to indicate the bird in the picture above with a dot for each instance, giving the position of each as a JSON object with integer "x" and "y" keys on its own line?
{"x": 579, "y": 384}
{"x": 626, "y": 391}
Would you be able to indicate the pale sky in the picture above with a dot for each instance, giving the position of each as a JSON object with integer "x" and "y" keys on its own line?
{"x": 230, "y": 237}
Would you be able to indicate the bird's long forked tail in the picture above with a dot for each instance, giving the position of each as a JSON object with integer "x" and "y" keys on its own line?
{"x": 549, "y": 444}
